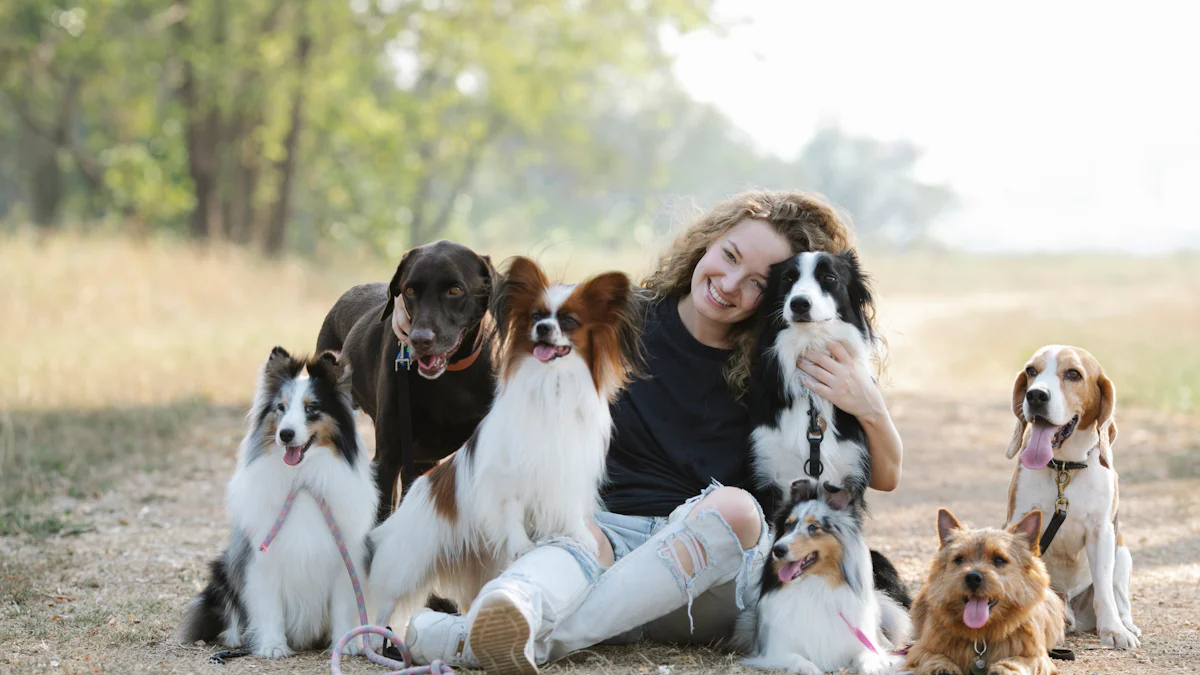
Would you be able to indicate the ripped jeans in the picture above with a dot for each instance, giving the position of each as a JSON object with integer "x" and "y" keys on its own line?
{"x": 708, "y": 616}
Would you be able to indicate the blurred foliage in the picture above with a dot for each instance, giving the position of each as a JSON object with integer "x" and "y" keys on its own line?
{"x": 293, "y": 125}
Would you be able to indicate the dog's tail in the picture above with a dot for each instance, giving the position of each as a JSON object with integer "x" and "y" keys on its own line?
{"x": 894, "y": 601}
{"x": 211, "y": 612}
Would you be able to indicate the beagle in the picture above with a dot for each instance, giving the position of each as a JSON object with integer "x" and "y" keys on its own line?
{"x": 1064, "y": 404}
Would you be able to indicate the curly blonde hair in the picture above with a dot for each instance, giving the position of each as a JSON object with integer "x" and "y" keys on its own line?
{"x": 805, "y": 219}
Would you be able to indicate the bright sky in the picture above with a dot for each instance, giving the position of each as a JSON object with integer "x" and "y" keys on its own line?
{"x": 1060, "y": 125}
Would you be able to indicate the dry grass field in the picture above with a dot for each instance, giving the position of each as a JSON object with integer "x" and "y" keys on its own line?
{"x": 125, "y": 370}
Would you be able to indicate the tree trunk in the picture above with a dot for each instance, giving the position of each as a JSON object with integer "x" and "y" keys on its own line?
{"x": 276, "y": 234}
{"x": 47, "y": 181}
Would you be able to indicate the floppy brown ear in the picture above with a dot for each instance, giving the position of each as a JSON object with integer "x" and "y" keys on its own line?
{"x": 393, "y": 288}
{"x": 1018, "y": 398}
{"x": 1106, "y": 425}
{"x": 947, "y": 524}
{"x": 1028, "y": 528}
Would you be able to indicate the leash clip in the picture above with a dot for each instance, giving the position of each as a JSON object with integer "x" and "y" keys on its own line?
{"x": 403, "y": 357}
{"x": 1063, "y": 479}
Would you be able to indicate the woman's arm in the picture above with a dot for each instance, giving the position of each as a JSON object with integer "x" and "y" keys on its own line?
{"x": 847, "y": 384}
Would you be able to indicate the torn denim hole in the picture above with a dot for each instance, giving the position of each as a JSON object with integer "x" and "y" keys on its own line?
{"x": 697, "y": 552}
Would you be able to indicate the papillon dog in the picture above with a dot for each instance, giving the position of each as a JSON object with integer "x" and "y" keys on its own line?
{"x": 296, "y": 594}
{"x": 817, "y": 611}
{"x": 534, "y": 466}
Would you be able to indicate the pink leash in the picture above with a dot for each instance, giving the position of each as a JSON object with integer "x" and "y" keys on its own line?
{"x": 859, "y": 634}
{"x": 438, "y": 667}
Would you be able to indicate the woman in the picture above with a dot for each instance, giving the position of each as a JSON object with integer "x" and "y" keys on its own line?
{"x": 681, "y": 529}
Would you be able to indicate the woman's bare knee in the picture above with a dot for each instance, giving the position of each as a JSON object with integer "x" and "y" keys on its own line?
{"x": 606, "y": 555}
{"x": 738, "y": 509}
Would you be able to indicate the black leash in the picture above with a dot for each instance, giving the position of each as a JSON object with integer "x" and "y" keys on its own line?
{"x": 813, "y": 466}
{"x": 408, "y": 461}
{"x": 1061, "y": 505}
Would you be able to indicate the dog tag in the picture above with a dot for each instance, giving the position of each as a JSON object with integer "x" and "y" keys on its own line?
{"x": 979, "y": 666}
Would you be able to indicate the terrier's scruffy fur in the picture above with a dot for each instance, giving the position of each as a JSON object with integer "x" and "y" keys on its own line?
{"x": 988, "y": 597}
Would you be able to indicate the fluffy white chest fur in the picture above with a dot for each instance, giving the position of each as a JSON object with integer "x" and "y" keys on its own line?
{"x": 781, "y": 450}
{"x": 542, "y": 450}
{"x": 302, "y": 574}
{"x": 801, "y": 629}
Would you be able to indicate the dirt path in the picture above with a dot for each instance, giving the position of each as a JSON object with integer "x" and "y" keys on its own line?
{"x": 109, "y": 600}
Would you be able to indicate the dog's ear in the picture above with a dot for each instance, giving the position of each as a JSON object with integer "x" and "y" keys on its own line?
{"x": 1106, "y": 425}
{"x": 393, "y": 287}
{"x": 1020, "y": 385}
{"x": 521, "y": 283}
{"x": 946, "y": 523}
{"x": 859, "y": 290}
{"x": 331, "y": 366}
{"x": 803, "y": 490}
{"x": 841, "y": 497}
{"x": 1029, "y": 528}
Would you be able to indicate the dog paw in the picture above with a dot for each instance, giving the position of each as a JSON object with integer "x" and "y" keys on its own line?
{"x": 876, "y": 664}
{"x": 1118, "y": 637}
{"x": 375, "y": 641}
{"x": 1129, "y": 626}
{"x": 275, "y": 651}
{"x": 352, "y": 648}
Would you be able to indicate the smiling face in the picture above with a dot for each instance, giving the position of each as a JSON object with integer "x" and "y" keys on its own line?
{"x": 987, "y": 576}
{"x": 728, "y": 282}
{"x": 1061, "y": 390}
{"x": 591, "y": 321}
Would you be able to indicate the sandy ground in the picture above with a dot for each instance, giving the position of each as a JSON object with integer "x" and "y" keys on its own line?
{"x": 109, "y": 600}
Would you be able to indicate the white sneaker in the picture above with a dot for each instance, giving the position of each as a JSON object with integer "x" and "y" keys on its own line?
{"x": 433, "y": 635}
{"x": 501, "y": 634}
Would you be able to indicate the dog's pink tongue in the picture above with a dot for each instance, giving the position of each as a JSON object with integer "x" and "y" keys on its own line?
{"x": 292, "y": 455}
{"x": 544, "y": 352}
{"x": 1038, "y": 453}
{"x": 788, "y": 571}
{"x": 976, "y": 613}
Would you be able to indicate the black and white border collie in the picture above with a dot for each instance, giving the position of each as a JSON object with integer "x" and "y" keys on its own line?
{"x": 817, "y": 611}
{"x": 811, "y": 300}
{"x": 296, "y": 594}
{"x": 534, "y": 466}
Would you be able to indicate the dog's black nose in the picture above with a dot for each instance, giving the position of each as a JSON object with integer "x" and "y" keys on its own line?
{"x": 542, "y": 329}
{"x": 780, "y": 551}
{"x": 1037, "y": 396}
{"x": 800, "y": 305}
{"x": 421, "y": 339}
{"x": 286, "y": 435}
{"x": 974, "y": 580}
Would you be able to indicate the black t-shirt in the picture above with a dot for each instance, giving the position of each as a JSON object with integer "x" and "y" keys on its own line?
{"x": 678, "y": 427}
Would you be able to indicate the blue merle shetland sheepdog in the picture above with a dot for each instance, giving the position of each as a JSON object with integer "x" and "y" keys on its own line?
{"x": 817, "y": 611}
{"x": 296, "y": 594}
{"x": 812, "y": 299}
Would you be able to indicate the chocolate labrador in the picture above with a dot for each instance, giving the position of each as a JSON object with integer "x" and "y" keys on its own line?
{"x": 445, "y": 288}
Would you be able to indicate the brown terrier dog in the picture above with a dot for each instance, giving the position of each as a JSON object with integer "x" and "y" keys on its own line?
{"x": 987, "y": 608}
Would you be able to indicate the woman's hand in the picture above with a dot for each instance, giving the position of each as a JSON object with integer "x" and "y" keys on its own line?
{"x": 840, "y": 379}
{"x": 846, "y": 383}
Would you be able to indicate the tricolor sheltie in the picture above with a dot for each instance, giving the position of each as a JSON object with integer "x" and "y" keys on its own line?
{"x": 534, "y": 466}
{"x": 297, "y": 593}
{"x": 817, "y": 611}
